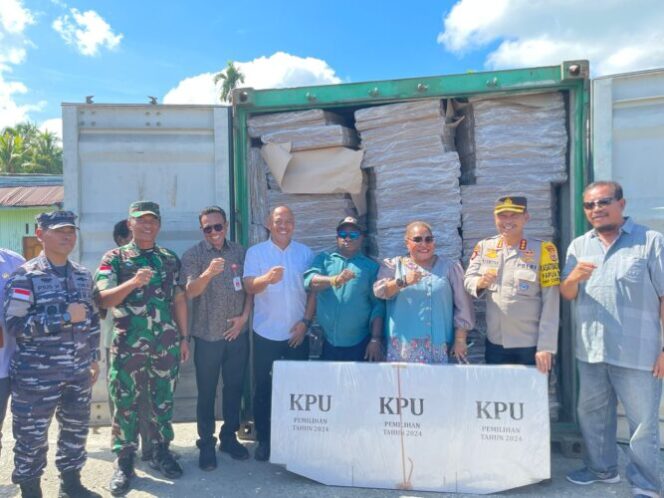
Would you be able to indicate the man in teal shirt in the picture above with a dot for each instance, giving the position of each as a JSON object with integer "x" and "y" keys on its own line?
{"x": 346, "y": 309}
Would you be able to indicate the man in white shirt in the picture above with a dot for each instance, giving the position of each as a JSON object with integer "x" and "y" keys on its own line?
{"x": 273, "y": 272}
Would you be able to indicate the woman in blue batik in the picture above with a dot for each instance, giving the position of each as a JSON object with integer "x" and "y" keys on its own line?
{"x": 428, "y": 311}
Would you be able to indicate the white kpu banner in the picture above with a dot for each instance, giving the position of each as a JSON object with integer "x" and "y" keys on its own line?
{"x": 447, "y": 428}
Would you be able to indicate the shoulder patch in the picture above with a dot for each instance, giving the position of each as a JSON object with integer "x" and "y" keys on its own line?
{"x": 548, "y": 268}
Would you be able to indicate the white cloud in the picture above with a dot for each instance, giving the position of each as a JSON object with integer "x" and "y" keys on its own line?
{"x": 14, "y": 20}
{"x": 53, "y": 125}
{"x": 615, "y": 35}
{"x": 280, "y": 70}
{"x": 87, "y": 31}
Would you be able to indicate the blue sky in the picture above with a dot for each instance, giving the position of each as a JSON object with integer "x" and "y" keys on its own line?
{"x": 54, "y": 51}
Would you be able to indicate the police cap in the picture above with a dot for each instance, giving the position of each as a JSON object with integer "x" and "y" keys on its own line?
{"x": 515, "y": 204}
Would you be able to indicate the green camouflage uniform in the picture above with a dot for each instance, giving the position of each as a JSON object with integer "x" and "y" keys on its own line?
{"x": 146, "y": 345}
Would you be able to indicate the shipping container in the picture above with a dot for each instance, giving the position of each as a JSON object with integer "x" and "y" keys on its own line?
{"x": 628, "y": 146}
{"x": 179, "y": 156}
{"x": 570, "y": 81}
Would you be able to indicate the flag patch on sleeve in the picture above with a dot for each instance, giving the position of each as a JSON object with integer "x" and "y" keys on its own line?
{"x": 22, "y": 294}
{"x": 105, "y": 269}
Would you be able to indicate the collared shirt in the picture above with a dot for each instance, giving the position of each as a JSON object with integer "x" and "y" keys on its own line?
{"x": 36, "y": 300}
{"x": 280, "y": 305}
{"x": 9, "y": 261}
{"x": 220, "y": 300}
{"x": 345, "y": 313}
{"x": 523, "y": 305}
{"x": 618, "y": 308}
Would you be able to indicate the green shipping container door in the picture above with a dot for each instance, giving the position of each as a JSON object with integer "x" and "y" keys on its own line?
{"x": 571, "y": 79}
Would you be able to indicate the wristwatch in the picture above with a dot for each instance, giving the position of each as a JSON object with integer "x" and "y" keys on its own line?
{"x": 401, "y": 282}
{"x": 307, "y": 322}
{"x": 185, "y": 338}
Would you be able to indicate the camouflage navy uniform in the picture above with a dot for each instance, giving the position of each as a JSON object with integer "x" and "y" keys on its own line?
{"x": 50, "y": 369}
{"x": 146, "y": 343}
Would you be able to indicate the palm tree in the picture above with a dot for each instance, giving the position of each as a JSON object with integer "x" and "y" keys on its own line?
{"x": 26, "y": 149}
{"x": 230, "y": 76}
{"x": 45, "y": 154}
{"x": 12, "y": 151}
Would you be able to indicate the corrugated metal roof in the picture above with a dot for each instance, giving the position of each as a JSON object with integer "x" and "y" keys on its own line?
{"x": 25, "y": 180}
{"x": 31, "y": 196}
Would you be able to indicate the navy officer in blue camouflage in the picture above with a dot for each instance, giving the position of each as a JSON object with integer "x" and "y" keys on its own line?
{"x": 50, "y": 311}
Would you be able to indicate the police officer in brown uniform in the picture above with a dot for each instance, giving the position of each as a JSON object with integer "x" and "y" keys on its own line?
{"x": 519, "y": 276}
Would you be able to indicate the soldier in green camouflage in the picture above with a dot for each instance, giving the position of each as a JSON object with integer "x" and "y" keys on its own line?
{"x": 139, "y": 281}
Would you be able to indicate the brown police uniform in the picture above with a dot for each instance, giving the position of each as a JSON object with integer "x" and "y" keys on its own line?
{"x": 523, "y": 303}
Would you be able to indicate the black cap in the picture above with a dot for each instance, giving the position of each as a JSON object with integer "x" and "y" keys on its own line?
{"x": 515, "y": 204}
{"x": 350, "y": 220}
{"x": 56, "y": 219}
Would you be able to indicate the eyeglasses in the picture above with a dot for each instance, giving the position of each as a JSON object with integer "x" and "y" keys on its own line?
{"x": 599, "y": 203}
{"x": 218, "y": 227}
{"x": 418, "y": 239}
{"x": 342, "y": 234}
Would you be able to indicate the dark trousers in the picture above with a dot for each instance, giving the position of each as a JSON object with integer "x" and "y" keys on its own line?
{"x": 266, "y": 352}
{"x": 498, "y": 355}
{"x": 5, "y": 390}
{"x": 230, "y": 359}
{"x": 351, "y": 353}
{"x": 34, "y": 402}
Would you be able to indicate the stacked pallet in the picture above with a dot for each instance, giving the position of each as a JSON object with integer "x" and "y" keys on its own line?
{"x": 511, "y": 146}
{"x": 412, "y": 176}
{"x": 520, "y": 148}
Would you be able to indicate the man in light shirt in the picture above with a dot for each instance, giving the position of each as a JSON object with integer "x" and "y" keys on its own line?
{"x": 273, "y": 273}
{"x": 614, "y": 273}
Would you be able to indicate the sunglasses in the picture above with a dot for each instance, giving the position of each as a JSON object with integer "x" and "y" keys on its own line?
{"x": 219, "y": 227}
{"x": 342, "y": 234}
{"x": 418, "y": 239}
{"x": 599, "y": 203}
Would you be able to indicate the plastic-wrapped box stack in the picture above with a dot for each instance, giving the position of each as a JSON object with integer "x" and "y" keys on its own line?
{"x": 519, "y": 147}
{"x": 411, "y": 175}
{"x": 316, "y": 216}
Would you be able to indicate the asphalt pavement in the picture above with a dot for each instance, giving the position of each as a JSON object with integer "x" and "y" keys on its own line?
{"x": 249, "y": 478}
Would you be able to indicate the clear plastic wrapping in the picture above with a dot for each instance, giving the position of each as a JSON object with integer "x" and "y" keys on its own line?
{"x": 282, "y": 121}
{"x": 314, "y": 137}
{"x": 385, "y": 115}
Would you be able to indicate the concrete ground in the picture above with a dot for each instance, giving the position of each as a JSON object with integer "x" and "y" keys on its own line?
{"x": 233, "y": 479}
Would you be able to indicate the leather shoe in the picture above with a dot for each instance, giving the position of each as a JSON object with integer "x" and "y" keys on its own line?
{"x": 207, "y": 458}
{"x": 234, "y": 448}
{"x": 262, "y": 452}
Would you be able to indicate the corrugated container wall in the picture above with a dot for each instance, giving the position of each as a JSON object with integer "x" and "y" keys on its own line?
{"x": 628, "y": 146}
{"x": 177, "y": 156}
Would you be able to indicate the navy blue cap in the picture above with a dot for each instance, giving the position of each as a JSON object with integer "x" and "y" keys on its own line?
{"x": 56, "y": 219}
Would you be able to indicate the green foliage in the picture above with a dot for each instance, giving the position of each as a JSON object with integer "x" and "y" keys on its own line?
{"x": 26, "y": 149}
{"x": 231, "y": 77}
